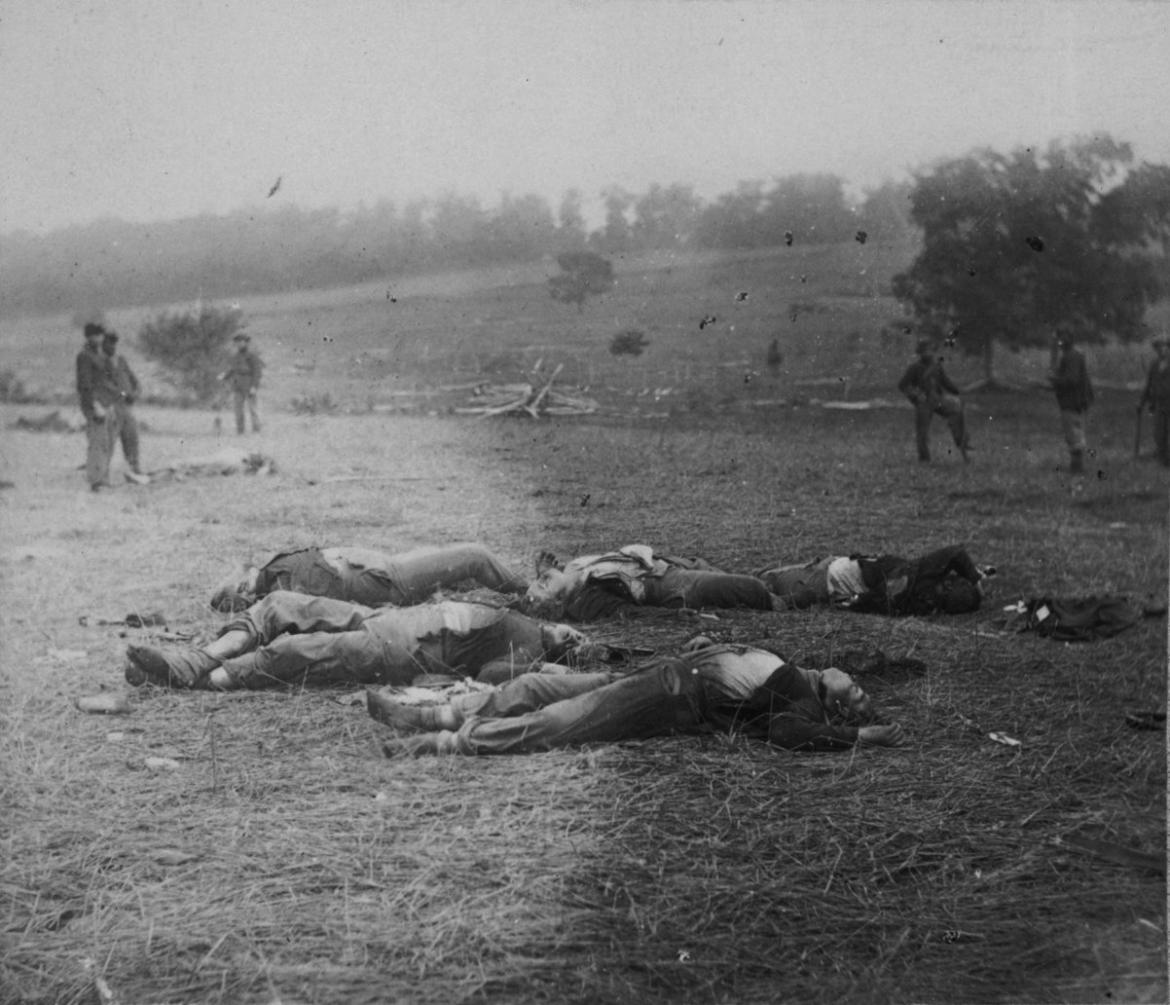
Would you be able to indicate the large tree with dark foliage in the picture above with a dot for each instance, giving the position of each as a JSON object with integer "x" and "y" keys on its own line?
{"x": 1017, "y": 245}
{"x": 584, "y": 274}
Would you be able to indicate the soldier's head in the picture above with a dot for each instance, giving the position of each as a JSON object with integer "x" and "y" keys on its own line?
{"x": 560, "y": 641}
{"x": 93, "y": 334}
{"x": 925, "y": 348}
{"x": 843, "y": 699}
{"x": 110, "y": 342}
{"x": 955, "y": 595}
{"x": 237, "y": 591}
{"x": 241, "y": 340}
{"x": 1063, "y": 338}
{"x": 548, "y": 590}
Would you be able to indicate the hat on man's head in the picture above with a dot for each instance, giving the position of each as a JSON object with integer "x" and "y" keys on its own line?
{"x": 241, "y": 337}
{"x": 93, "y": 328}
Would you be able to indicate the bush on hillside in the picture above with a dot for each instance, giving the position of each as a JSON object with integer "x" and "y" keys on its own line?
{"x": 584, "y": 274}
{"x": 192, "y": 347}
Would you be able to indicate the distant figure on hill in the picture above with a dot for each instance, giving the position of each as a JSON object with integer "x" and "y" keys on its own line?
{"x": 774, "y": 358}
{"x": 943, "y": 581}
{"x": 598, "y": 586}
{"x": 1156, "y": 397}
{"x": 99, "y": 397}
{"x": 1069, "y": 378}
{"x": 293, "y": 639}
{"x": 709, "y": 687}
{"x": 243, "y": 377}
{"x": 932, "y": 392}
{"x": 129, "y": 388}
{"x": 367, "y": 576}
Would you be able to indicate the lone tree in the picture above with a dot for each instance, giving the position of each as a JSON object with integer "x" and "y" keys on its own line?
{"x": 1014, "y": 246}
{"x": 584, "y": 273}
{"x": 192, "y": 347}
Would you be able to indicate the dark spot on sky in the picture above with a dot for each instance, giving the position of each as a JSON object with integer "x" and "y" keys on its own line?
{"x": 1034, "y": 243}
{"x": 710, "y": 319}
{"x": 860, "y": 237}
{"x": 788, "y": 238}
{"x": 741, "y": 296}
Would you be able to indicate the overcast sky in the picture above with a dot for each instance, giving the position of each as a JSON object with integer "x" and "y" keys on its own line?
{"x": 160, "y": 109}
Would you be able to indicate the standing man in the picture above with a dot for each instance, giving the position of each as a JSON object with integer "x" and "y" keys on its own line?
{"x": 99, "y": 397}
{"x": 1156, "y": 397}
{"x": 1074, "y": 395}
{"x": 128, "y": 388}
{"x": 932, "y": 392}
{"x": 243, "y": 375}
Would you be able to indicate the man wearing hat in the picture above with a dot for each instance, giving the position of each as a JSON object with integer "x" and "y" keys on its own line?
{"x": 99, "y": 396}
{"x": 243, "y": 376}
{"x": 128, "y": 387}
{"x": 1156, "y": 397}
{"x": 932, "y": 392}
{"x": 1074, "y": 394}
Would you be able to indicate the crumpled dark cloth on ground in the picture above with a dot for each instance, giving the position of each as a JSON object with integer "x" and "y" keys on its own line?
{"x": 1078, "y": 619}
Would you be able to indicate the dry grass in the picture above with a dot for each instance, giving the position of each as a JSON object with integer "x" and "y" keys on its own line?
{"x": 281, "y": 859}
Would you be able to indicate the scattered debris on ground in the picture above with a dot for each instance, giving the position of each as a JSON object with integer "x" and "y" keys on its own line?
{"x": 527, "y": 399}
{"x": 52, "y": 422}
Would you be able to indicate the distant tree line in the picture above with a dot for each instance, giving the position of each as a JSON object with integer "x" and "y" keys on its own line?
{"x": 111, "y": 263}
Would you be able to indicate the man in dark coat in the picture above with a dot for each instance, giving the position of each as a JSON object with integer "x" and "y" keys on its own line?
{"x": 709, "y": 687}
{"x": 99, "y": 397}
{"x": 932, "y": 392}
{"x": 128, "y": 387}
{"x": 1156, "y": 397}
{"x": 1074, "y": 395}
{"x": 943, "y": 581}
{"x": 243, "y": 377}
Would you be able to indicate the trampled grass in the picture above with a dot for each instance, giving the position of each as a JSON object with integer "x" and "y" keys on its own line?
{"x": 280, "y": 858}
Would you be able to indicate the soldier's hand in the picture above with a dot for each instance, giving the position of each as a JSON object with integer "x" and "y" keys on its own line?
{"x": 890, "y": 735}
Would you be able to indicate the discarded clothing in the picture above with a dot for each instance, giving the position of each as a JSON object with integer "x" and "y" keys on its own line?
{"x": 1076, "y": 619}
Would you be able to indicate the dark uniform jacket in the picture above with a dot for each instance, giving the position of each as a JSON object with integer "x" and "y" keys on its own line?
{"x": 1157, "y": 392}
{"x": 96, "y": 383}
{"x": 1070, "y": 381}
{"x": 243, "y": 371}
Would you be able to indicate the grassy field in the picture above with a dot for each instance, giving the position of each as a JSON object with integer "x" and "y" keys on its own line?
{"x": 279, "y": 858}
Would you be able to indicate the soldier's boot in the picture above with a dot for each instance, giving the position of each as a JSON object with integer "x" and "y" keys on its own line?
{"x": 412, "y": 718}
{"x": 1077, "y": 462}
{"x": 420, "y": 745}
{"x": 180, "y": 669}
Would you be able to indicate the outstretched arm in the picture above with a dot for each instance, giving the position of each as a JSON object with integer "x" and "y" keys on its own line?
{"x": 795, "y": 732}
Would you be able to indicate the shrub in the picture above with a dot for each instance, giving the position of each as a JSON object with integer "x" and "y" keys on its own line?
{"x": 584, "y": 274}
{"x": 628, "y": 343}
{"x": 192, "y": 347}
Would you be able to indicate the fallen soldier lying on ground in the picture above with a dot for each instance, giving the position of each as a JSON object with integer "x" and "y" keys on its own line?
{"x": 366, "y": 576}
{"x": 710, "y": 687}
{"x": 228, "y": 461}
{"x": 592, "y": 587}
{"x": 944, "y": 581}
{"x": 290, "y": 638}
